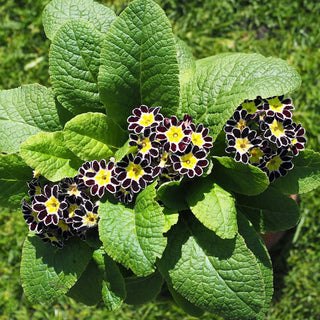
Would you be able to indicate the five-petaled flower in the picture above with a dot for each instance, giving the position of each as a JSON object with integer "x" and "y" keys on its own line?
{"x": 49, "y": 205}
{"x": 143, "y": 118}
{"x": 190, "y": 162}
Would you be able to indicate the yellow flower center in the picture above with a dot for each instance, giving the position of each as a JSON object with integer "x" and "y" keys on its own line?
{"x": 164, "y": 159}
{"x": 249, "y": 106}
{"x": 135, "y": 171}
{"x": 175, "y": 134}
{"x": 103, "y": 177}
{"x": 255, "y": 155}
{"x": 274, "y": 164}
{"x": 52, "y": 205}
{"x": 146, "y": 145}
{"x": 241, "y": 124}
{"x": 189, "y": 161}
{"x": 73, "y": 190}
{"x": 243, "y": 145}
{"x": 146, "y": 120}
{"x": 275, "y": 105}
{"x": 277, "y": 128}
{"x": 91, "y": 219}
{"x": 197, "y": 139}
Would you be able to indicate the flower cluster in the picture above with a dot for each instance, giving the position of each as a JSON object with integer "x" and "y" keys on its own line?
{"x": 165, "y": 149}
{"x": 60, "y": 211}
{"x": 261, "y": 132}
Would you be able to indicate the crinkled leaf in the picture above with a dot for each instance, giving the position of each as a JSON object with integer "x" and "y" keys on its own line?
{"x": 58, "y": 12}
{"x": 143, "y": 289}
{"x": 214, "y": 207}
{"x": 25, "y": 111}
{"x": 239, "y": 177}
{"x": 220, "y": 83}
{"x": 113, "y": 286}
{"x": 48, "y": 272}
{"x": 258, "y": 248}
{"x": 139, "y": 62}
{"x": 134, "y": 237}
{"x": 74, "y": 64}
{"x": 48, "y": 154}
{"x": 269, "y": 211}
{"x": 14, "y": 173}
{"x": 93, "y": 136}
{"x": 305, "y": 175}
{"x": 88, "y": 287}
{"x": 221, "y": 276}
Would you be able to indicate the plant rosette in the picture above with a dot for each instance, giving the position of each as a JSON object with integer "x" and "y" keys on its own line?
{"x": 143, "y": 169}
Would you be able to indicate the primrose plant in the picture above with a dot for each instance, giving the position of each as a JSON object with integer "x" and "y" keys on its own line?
{"x": 143, "y": 173}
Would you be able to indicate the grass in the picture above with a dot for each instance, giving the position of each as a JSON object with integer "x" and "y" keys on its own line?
{"x": 285, "y": 29}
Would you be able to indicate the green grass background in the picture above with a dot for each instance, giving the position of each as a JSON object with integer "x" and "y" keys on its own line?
{"x": 285, "y": 29}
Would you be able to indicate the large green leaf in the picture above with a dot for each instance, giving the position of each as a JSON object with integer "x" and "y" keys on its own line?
{"x": 305, "y": 175}
{"x": 143, "y": 289}
{"x": 139, "y": 62}
{"x": 239, "y": 177}
{"x": 48, "y": 272}
{"x": 58, "y": 12}
{"x": 113, "y": 286}
{"x": 221, "y": 276}
{"x": 14, "y": 174}
{"x": 214, "y": 207}
{"x": 74, "y": 64}
{"x": 25, "y": 111}
{"x": 220, "y": 83}
{"x": 256, "y": 245}
{"x": 134, "y": 237}
{"x": 93, "y": 136}
{"x": 48, "y": 154}
{"x": 269, "y": 211}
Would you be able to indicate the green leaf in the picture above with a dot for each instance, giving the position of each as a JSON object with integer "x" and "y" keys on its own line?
{"x": 258, "y": 248}
{"x": 221, "y": 276}
{"x": 25, "y": 111}
{"x": 88, "y": 287}
{"x": 74, "y": 61}
{"x": 269, "y": 211}
{"x": 239, "y": 177}
{"x": 143, "y": 289}
{"x": 14, "y": 174}
{"x": 93, "y": 136}
{"x": 184, "y": 304}
{"x": 305, "y": 175}
{"x": 186, "y": 61}
{"x": 48, "y": 272}
{"x": 58, "y": 12}
{"x": 139, "y": 62}
{"x": 220, "y": 83}
{"x": 214, "y": 207}
{"x": 134, "y": 237}
{"x": 173, "y": 195}
{"x": 48, "y": 154}
{"x": 113, "y": 286}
